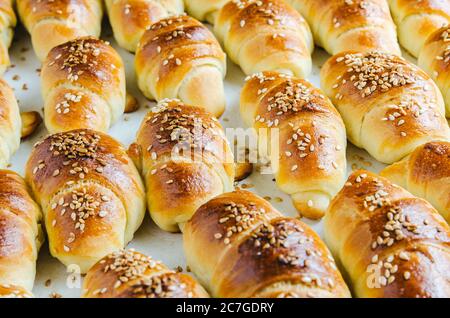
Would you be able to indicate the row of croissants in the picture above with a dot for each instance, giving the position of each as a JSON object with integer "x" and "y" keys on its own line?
{"x": 91, "y": 194}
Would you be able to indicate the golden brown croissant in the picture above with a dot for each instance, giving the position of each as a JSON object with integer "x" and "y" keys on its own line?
{"x": 178, "y": 57}
{"x": 390, "y": 243}
{"x": 8, "y": 291}
{"x": 238, "y": 245}
{"x": 90, "y": 192}
{"x": 52, "y": 23}
{"x": 21, "y": 235}
{"x": 434, "y": 58}
{"x": 185, "y": 160}
{"x": 265, "y": 35}
{"x": 129, "y": 274}
{"x": 130, "y": 18}
{"x": 10, "y": 123}
{"x": 389, "y": 105}
{"x": 342, "y": 25}
{"x": 204, "y": 10}
{"x": 8, "y": 22}
{"x": 417, "y": 20}
{"x": 312, "y": 141}
{"x": 83, "y": 85}
{"x": 426, "y": 174}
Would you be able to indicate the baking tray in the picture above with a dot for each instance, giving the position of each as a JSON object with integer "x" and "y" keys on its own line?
{"x": 53, "y": 279}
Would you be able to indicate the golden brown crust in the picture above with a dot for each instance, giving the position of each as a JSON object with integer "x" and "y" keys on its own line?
{"x": 7, "y": 23}
{"x": 385, "y": 91}
{"x": 392, "y": 244}
{"x": 10, "y": 123}
{"x": 434, "y": 58}
{"x": 426, "y": 173}
{"x": 186, "y": 156}
{"x": 51, "y": 23}
{"x": 424, "y": 17}
{"x": 179, "y": 47}
{"x": 8, "y": 291}
{"x": 312, "y": 139}
{"x": 360, "y": 25}
{"x": 265, "y": 35}
{"x": 91, "y": 194}
{"x": 130, "y": 18}
{"x": 20, "y": 232}
{"x": 83, "y": 84}
{"x": 240, "y": 246}
{"x": 129, "y": 274}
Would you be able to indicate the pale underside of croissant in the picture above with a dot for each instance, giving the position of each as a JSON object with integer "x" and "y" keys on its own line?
{"x": 21, "y": 236}
{"x": 390, "y": 243}
{"x": 425, "y": 173}
{"x": 83, "y": 85}
{"x": 178, "y": 57}
{"x": 265, "y": 35}
{"x": 359, "y": 25}
{"x": 238, "y": 245}
{"x": 91, "y": 194}
{"x": 185, "y": 160}
{"x": 130, "y": 18}
{"x": 310, "y": 163}
{"x": 417, "y": 20}
{"x": 8, "y": 22}
{"x": 434, "y": 58}
{"x": 129, "y": 274}
{"x": 52, "y": 23}
{"x": 10, "y": 124}
{"x": 205, "y": 10}
{"x": 388, "y": 105}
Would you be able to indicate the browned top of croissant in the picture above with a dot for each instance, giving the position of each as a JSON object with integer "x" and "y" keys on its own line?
{"x": 408, "y": 7}
{"x": 282, "y": 98}
{"x": 80, "y": 155}
{"x": 431, "y": 162}
{"x": 175, "y": 43}
{"x": 15, "y": 199}
{"x": 442, "y": 59}
{"x": 129, "y": 274}
{"x": 404, "y": 235}
{"x": 173, "y": 125}
{"x": 6, "y": 7}
{"x": 263, "y": 247}
{"x": 246, "y": 16}
{"x": 86, "y": 61}
{"x": 37, "y": 10}
{"x": 9, "y": 291}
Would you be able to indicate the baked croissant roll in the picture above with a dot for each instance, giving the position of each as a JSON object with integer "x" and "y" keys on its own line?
{"x": 265, "y": 35}
{"x": 21, "y": 235}
{"x": 417, "y": 20}
{"x": 205, "y": 10}
{"x": 359, "y": 25}
{"x": 90, "y": 192}
{"x": 129, "y": 274}
{"x": 10, "y": 123}
{"x": 389, "y": 105}
{"x": 178, "y": 57}
{"x": 239, "y": 246}
{"x": 52, "y": 23}
{"x": 185, "y": 160}
{"x": 130, "y": 18}
{"x": 390, "y": 243}
{"x": 426, "y": 174}
{"x": 434, "y": 58}
{"x": 8, "y": 291}
{"x": 8, "y": 22}
{"x": 83, "y": 85}
{"x": 310, "y": 162}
